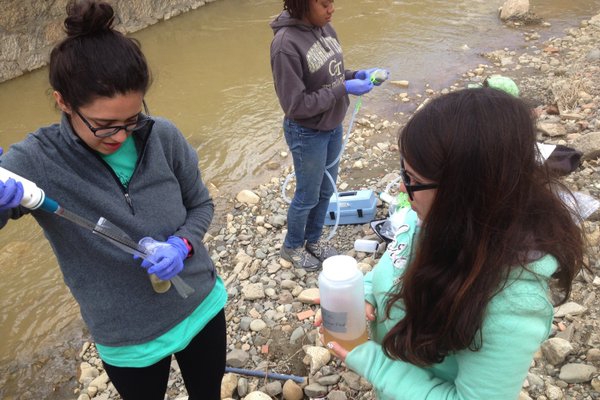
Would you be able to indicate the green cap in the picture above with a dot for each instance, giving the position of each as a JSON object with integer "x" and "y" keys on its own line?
{"x": 402, "y": 200}
{"x": 502, "y": 83}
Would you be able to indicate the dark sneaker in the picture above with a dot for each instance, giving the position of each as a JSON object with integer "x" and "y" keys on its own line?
{"x": 300, "y": 258}
{"x": 321, "y": 250}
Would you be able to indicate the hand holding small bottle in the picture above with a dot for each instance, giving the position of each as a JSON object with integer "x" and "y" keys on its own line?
{"x": 338, "y": 350}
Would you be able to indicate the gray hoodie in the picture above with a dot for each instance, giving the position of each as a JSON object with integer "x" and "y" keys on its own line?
{"x": 308, "y": 72}
{"x": 166, "y": 196}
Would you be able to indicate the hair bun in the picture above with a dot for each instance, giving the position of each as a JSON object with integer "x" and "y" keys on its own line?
{"x": 88, "y": 17}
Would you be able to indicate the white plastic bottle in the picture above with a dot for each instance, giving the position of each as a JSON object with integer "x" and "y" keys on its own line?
{"x": 342, "y": 294}
{"x": 33, "y": 196}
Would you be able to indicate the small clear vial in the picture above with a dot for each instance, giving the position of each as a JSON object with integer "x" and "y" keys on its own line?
{"x": 379, "y": 76}
{"x": 150, "y": 245}
{"x": 159, "y": 285}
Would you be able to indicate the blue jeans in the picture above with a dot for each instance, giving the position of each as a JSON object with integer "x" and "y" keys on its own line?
{"x": 312, "y": 150}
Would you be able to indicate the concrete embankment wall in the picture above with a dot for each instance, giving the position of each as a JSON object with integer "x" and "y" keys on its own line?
{"x": 30, "y": 28}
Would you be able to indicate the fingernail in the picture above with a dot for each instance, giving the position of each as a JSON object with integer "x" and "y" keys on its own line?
{"x": 330, "y": 345}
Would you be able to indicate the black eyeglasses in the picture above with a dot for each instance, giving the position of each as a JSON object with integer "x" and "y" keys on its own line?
{"x": 410, "y": 189}
{"x": 107, "y": 131}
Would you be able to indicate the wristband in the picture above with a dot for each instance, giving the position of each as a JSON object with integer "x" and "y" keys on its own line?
{"x": 189, "y": 246}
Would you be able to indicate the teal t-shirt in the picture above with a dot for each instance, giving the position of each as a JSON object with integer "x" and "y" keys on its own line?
{"x": 123, "y": 160}
{"x": 146, "y": 354}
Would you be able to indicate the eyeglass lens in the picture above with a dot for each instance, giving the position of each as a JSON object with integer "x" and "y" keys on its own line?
{"x": 111, "y": 130}
{"x": 406, "y": 180}
{"x": 104, "y": 132}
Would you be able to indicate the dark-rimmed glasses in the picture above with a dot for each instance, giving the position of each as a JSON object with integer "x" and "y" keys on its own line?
{"x": 107, "y": 131}
{"x": 410, "y": 189}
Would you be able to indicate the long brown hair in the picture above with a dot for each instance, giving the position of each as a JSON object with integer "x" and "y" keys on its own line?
{"x": 495, "y": 205}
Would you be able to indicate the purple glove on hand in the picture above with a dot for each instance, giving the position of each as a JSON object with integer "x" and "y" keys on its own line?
{"x": 365, "y": 73}
{"x": 165, "y": 259}
{"x": 358, "y": 87}
{"x": 368, "y": 74}
{"x": 11, "y": 193}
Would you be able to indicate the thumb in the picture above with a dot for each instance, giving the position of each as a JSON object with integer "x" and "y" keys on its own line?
{"x": 338, "y": 350}
{"x": 370, "y": 311}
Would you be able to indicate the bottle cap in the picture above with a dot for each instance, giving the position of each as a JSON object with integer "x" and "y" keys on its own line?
{"x": 402, "y": 200}
{"x": 339, "y": 268}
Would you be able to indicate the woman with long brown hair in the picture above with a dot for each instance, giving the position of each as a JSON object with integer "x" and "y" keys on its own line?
{"x": 463, "y": 296}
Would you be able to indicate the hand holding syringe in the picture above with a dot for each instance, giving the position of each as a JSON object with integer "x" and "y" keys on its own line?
{"x": 152, "y": 252}
{"x": 32, "y": 197}
{"x": 155, "y": 257}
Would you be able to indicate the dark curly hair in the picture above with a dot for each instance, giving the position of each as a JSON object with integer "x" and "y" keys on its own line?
{"x": 297, "y": 8}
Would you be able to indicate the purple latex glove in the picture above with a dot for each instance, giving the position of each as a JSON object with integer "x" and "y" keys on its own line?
{"x": 11, "y": 193}
{"x": 368, "y": 74}
{"x": 165, "y": 259}
{"x": 358, "y": 87}
{"x": 364, "y": 73}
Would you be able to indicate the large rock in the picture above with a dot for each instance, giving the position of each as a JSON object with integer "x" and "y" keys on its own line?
{"x": 569, "y": 308}
{"x": 556, "y": 350}
{"x": 588, "y": 144}
{"x": 237, "y": 358}
{"x": 228, "y": 385}
{"x": 577, "y": 373}
{"x": 247, "y": 197}
{"x": 515, "y": 9}
{"x": 291, "y": 391}
{"x": 256, "y": 395}
{"x": 317, "y": 357}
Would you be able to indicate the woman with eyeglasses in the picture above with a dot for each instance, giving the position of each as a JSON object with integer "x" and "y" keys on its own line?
{"x": 108, "y": 158}
{"x": 463, "y": 297}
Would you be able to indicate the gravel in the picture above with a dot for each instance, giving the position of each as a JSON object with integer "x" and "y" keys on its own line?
{"x": 270, "y": 313}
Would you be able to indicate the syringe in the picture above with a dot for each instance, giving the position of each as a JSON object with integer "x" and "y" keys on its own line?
{"x": 34, "y": 198}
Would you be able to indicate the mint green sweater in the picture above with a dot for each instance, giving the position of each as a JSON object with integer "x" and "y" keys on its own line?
{"x": 517, "y": 321}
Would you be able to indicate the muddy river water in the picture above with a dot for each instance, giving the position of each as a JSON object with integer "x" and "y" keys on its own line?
{"x": 212, "y": 78}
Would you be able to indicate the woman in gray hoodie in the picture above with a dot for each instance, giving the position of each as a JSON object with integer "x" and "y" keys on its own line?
{"x": 312, "y": 85}
{"x": 108, "y": 158}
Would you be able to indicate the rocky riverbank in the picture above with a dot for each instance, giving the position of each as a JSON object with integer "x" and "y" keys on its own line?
{"x": 270, "y": 312}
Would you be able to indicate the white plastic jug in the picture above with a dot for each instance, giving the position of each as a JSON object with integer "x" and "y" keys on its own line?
{"x": 342, "y": 294}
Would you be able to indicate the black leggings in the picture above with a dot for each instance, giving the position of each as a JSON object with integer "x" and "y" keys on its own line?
{"x": 202, "y": 365}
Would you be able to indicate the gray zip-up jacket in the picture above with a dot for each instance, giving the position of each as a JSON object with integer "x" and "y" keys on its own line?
{"x": 166, "y": 196}
{"x": 308, "y": 72}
